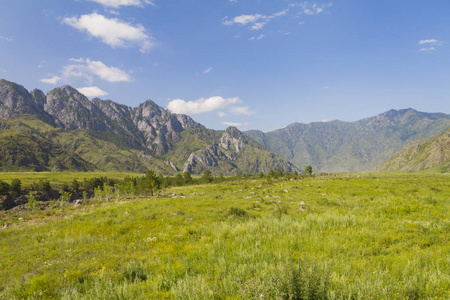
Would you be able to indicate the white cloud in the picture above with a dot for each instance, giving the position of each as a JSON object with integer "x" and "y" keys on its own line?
{"x": 427, "y": 49}
{"x": 113, "y": 32}
{"x": 257, "y": 21}
{"x": 221, "y": 114}
{"x": 52, "y": 80}
{"x": 312, "y": 9}
{"x": 6, "y": 38}
{"x": 207, "y": 70}
{"x": 326, "y": 87}
{"x": 92, "y": 91}
{"x": 235, "y": 124}
{"x": 119, "y": 3}
{"x": 256, "y": 38}
{"x": 87, "y": 69}
{"x": 241, "y": 110}
{"x": 201, "y": 105}
{"x": 431, "y": 41}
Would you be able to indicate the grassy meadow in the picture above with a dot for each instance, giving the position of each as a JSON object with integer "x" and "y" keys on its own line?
{"x": 347, "y": 236}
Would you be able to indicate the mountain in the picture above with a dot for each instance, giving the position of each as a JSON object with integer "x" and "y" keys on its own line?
{"x": 360, "y": 146}
{"x": 63, "y": 130}
{"x": 419, "y": 155}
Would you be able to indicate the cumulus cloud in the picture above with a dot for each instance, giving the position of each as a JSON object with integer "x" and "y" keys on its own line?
{"x": 207, "y": 70}
{"x": 52, "y": 80}
{"x": 113, "y": 32}
{"x": 119, "y": 3}
{"x": 92, "y": 91}
{"x": 88, "y": 69}
{"x": 235, "y": 124}
{"x": 201, "y": 105}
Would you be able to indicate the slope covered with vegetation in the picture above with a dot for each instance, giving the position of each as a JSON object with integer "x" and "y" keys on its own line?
{"x": 360, "y": 146}
{"x": 428, "y": 156}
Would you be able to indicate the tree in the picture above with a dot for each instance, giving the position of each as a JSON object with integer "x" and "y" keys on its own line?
{"x": 278, "y": 173}
{"x": 16, "y": 186}
{"x": 187, "y": 177}
{"x": 152, "y": 182}
{"x": 206, "y": 177}
{"x": 308, "y": 170}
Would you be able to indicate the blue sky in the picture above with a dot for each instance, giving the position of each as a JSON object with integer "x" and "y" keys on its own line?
{"x": 253, "y": 64}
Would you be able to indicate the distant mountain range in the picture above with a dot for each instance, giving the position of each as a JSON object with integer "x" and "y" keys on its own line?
{"x": 421, "y": 155}
{"x": 360, "y": 146}
{"x": 63, "y": 130}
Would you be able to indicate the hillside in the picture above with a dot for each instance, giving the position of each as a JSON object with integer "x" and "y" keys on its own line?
{"x": 433, "y": 155}
{"x": 359, "y": 146}
{"x": 63, "y": 130}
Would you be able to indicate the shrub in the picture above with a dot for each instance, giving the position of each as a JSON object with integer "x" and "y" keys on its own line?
{"x": 306, "y": 280}
{"x": 237, "y": 212}
{"x": 4, "y": 188}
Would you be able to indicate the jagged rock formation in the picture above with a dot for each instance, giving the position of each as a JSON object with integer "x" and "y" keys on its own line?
{"x": 359, "y": 146}
{"x": 421, "y": 155}
{"x": 104, "y": 135}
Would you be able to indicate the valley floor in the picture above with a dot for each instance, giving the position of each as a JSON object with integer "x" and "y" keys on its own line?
{"x": 347, "y": 236}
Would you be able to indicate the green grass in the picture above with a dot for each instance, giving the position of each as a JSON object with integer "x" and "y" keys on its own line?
{"x": 59, "y": 178}
{"x": 366, "y": 236}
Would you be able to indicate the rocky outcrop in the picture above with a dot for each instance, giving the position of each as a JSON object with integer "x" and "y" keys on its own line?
{"x": 15, "y": 102}
{"x": 232, "y": 138}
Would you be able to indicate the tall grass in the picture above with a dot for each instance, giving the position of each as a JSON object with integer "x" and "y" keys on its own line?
{"x": 337, "y": 237}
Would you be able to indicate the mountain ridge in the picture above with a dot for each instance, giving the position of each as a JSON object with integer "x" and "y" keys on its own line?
{"x": 113, "y": 136}
{"x": 359, "y": 146}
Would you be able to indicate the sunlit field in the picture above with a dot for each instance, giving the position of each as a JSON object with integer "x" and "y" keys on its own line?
{"x": 361, "y": 236}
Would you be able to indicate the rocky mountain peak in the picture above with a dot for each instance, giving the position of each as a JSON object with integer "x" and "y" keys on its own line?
{"x": 232, "y": 138}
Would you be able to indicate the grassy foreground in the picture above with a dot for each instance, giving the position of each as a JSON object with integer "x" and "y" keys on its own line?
{"x": 327, "y": 237}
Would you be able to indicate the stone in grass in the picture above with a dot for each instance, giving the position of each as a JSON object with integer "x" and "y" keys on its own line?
{"x": 78, "y": 202}
{"x": 21, "y": 219}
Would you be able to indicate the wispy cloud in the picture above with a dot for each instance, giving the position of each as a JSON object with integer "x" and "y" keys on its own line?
{"x": 202, "y": 105}
{"x": 427, "y": 49}
{"x": 119, "y": 3}
{"x": 6, "y": 38}
{"x": 88, "y": 69}
{"x": 431, "y": 43}
{"x": 92, "y": 91}
{"x": 258, "y": 21}
{"x": 208, "y": 70}
{"x": 325, "y": 87}
{"x": 256, "y": 38}
{"x": 51, "y": 80}
{"x": 236, "y": 124}
{"x": 241, "y": 110}
{"x": 112, "y": 31}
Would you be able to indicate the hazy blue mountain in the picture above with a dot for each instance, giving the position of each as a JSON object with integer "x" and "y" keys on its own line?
{"x": 359, "y": 146}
